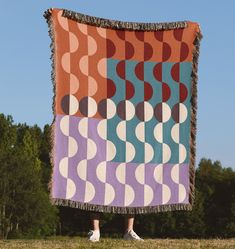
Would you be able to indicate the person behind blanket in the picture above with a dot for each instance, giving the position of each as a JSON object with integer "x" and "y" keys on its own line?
{"x": 94, "y": 233}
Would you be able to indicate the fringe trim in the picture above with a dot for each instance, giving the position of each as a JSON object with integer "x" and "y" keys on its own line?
{"x": 48, "y": 16}
{"x": 105, "y": 23}
{"x": 194, "y": 80}
{"x": 121, "y": 210}
{"x": 114, "y": 24}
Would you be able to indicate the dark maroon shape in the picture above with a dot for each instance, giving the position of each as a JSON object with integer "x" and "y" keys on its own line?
{"x": 111, "y": 49}
{"x": 83, "y": 106}
{"x": 130, "y": 90}
{"x": 148, "y": 51}
{"x": 139, "y": 35}
{"x": 175, "y": 72}
{"x": 148, "y": 91}
{"x": 129, "y": 50}
{"x": 183, "y": 92}
{"x": 184, "y": 50}
{"x": 102, "y": 108}
{"x": 121, "y": 109}
{"x": 158, "y": 112}
{"x": 178, "y": 34}
{"x": 111, "y": 88}
{"x": 65, "y": 104}
{"x": 175, "y": 113}
{"x": 139, "y": 111}
{"x": 121, "y": 69}
{"x": 139, "y": 71}
{"x": 166, "y": 51}
{"x": 166, "y": 92}
{"x": 157, "y": 72}
{"x": 159, "y": 35}
{"x": 121, "y": 34}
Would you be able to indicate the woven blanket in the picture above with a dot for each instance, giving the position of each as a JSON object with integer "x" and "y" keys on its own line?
{"x": 125, "y": 102}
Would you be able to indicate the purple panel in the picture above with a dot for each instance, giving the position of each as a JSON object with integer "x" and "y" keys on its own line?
{"x": 61, "y": 151}
{"x": 94, "y": 162}
{"x": 149, "y": 180}
{"x": 119, "y": 188}
{"x": 138, "y": 188}
{"x": 184, "y": 179}
{"x": 174, "y": 187}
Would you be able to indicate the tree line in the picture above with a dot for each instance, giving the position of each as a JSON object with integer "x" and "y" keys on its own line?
{"x": 26, "y": 211}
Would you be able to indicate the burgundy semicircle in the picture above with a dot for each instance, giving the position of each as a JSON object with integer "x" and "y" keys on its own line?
{"x": 130, "y": 90}
{"x": 111, "y": 88}
{"x": 183, "y": 92}
{"x": 158, "y": 112}
{"x": 139, "y": 35}
{"x": 157, "y": 72}
{"x": 148, "y": 51}
{"x": 175, "y": 72}
{"x": 148, "y": 91}
{"x": 166, "y": 53}
{"x": 178, "y": 34}
{"x": 111, "y": 49}
{"x": 129, "y": 50}
{"x": 121, "y": 70}
{"x": 139, "y": 70}
{"x": 121, "y": 34}
{"x": 175, "y": 113}
{"x": 158, "y": 35}
{"x": 166, "y": 92}
{"x": 139, "y": 111}
{"x": 184, "y": 51}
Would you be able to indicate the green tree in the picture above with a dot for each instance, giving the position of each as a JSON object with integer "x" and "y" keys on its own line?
{"x": 25, "y": 206}
{"x": 45, "y": 156}
{"x": 7, "y": 144}
{"x": 217, "y": 186}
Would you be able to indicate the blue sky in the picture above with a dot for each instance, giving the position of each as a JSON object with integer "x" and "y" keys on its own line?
{"x": 26, "y": 89}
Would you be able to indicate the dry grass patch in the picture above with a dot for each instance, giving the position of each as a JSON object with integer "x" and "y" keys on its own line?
{"x": 78, "y": 242}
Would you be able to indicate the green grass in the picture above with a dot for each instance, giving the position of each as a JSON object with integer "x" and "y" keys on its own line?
{"x": 78, "y": 242}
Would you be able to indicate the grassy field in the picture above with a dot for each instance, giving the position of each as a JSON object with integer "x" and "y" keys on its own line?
{"x": 78, "y": 242}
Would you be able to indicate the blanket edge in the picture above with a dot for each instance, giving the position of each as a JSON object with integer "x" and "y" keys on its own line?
{"x": 115, "y": 24}
{"x": 193, "y": 121}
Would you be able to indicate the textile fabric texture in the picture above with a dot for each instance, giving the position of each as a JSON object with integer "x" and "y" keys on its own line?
{"x": 123, "y": 134}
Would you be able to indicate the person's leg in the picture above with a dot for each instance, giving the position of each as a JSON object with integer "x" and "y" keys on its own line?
{"x": 129, "y": 228}
{"x": 94, "y": 234}
{"x": 129, "y": 222}
{"x": 95, "y": 221}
